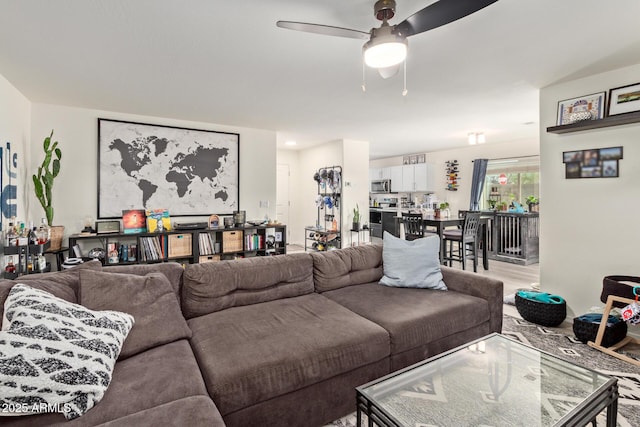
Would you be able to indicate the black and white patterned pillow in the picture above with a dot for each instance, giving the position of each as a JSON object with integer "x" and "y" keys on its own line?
{"x": 56, "y": 356}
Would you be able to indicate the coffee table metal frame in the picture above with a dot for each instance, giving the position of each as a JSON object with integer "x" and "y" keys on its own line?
{"x": 605, "y": 397}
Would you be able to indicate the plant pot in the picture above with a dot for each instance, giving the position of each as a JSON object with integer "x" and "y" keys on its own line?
{"x": 356, "y": 226}
{"x": 57, "y": 232}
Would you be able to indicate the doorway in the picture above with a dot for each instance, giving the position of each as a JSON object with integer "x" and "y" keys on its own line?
{"x": 282, "y": 197}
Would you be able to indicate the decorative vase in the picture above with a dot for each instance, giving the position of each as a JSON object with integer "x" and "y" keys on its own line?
{"x": 57, "y": 232}
{"x": 436, "y": 213}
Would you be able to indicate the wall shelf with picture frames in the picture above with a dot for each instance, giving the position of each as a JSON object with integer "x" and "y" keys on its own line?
{"x": 622, "y": 119}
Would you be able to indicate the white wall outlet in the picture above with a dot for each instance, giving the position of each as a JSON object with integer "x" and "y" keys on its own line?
{"x": 264, "y": 203}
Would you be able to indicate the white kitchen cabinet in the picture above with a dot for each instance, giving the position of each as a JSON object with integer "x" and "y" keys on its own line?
{"x": 413, "y": 178}
{"x": 395, "y": 174}
{"x": 408, "y": 181}
{"x": 424, "y": 177}
{"x": 376, "y": 174}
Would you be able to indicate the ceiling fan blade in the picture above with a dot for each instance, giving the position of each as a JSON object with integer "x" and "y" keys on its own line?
{"x": 326, "y": 30}
{"x": 440, "y": 13}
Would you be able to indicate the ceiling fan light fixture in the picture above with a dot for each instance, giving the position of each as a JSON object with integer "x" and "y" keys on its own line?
{"x": 476, "y": 138}
{"x": 385, "y": 55}
{"x": 385, "y": 48}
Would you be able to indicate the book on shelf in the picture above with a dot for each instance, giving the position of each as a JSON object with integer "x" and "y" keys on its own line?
{"x": 153, "y": 248}
{"x": 253, "y": 242}
{"x": 206, "y": 243}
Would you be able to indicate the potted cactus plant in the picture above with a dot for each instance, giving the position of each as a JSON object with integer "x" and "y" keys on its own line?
{"x": 43, "y": 187}
{"x": 356, "y": 218}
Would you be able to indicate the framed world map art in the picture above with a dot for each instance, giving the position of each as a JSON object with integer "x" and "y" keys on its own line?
{"x": 144, "y": 166}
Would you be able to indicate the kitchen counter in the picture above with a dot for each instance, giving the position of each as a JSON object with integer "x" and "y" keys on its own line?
{"x": 390, "y": 209}
{"x": 384, "y": 219}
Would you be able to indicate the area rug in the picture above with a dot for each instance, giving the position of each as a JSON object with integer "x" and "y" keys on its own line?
{"x": 562, "y": 343}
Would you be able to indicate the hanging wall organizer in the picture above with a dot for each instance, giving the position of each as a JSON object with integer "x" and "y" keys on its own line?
{"x": 452, "y": 175}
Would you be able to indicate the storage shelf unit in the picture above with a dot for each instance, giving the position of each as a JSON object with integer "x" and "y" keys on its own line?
{"x": 194, "y": 246}
{"x": 321, "y": 240}
{"x": 325, "y": 235}
{"x": 22, "y": 252}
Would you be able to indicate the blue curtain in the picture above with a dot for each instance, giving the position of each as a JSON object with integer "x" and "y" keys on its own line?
{"x": 479, "y": 173}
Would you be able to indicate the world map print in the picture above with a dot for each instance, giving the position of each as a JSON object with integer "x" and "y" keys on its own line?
{"x": 189, "y": 172}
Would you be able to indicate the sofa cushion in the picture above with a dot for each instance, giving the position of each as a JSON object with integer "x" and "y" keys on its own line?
{"x": 346, "y": 267}
{"x": 214, "y": 286}
{"x": 172, "y": 270}
{"x": 57, "y": 353}
{"x": 413, "y": 317}
{"x": 149, "y": 299}
{"x": 412, "y": 263}
{"x": 254, "y": 353}
{"x": 190, "y": 411}
{"x": 62, "y": 284}
{"x": 157, "y": 376}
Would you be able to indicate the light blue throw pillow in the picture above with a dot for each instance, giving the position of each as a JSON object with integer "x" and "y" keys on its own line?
{"x": 411, "y": 264}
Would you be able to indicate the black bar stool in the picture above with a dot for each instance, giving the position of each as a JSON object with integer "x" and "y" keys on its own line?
{"x": 467, "y": 240}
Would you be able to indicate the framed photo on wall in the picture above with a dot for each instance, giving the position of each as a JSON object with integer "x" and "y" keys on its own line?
{"x": 625, "y": 99}
{"x": 592, "y": 163}
{"x": 188, "y": 171}
{"x": 587, "y": 107}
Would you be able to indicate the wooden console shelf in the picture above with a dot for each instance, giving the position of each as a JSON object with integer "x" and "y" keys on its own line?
{"x": 622, "y": 119}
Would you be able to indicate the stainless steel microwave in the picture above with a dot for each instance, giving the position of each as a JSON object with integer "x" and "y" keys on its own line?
{"x": 381, "y": 186}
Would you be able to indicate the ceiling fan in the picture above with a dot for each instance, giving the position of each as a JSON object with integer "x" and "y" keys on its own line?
{"x": 386, "y": 47}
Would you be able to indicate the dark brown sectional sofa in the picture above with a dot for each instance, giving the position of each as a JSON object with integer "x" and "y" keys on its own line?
{"x": 278, "y": 341}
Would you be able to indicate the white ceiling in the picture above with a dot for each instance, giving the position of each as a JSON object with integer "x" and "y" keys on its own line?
{"x": 226, "y": 62}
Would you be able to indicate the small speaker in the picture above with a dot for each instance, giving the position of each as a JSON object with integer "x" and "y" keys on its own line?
{"x": 106, "y": 227}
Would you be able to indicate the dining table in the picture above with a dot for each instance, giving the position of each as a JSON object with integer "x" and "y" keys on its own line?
{"x": 441, "y": 223}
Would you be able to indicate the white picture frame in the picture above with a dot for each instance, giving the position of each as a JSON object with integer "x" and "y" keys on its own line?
{"x": 594, "y": 103}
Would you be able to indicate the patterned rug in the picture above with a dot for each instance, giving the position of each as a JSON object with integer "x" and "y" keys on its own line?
{"x": 561, "y": 343}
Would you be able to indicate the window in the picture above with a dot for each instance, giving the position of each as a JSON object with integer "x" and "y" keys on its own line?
{"x": 511, "y": 180}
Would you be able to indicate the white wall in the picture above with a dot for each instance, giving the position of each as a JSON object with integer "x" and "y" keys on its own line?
{"x": 589, "y": 227}
{"x": 75, "y": 190}
{"x": 355, "y": 185}
{"x": 15, "y": 118}
{"x": 459, "y": 200}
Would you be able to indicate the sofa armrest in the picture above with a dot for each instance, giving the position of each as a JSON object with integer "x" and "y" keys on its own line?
{"x": 478, "y": 286}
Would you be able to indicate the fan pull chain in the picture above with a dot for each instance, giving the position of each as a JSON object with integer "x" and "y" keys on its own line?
{"x": 405, "y": 91}
{"x": 364, "y": 84}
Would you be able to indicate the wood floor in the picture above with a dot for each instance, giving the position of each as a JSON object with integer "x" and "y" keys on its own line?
{"x": 513, "y": 276}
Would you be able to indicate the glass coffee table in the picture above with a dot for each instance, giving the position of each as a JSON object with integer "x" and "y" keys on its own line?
{"x": 493, "y": 381}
